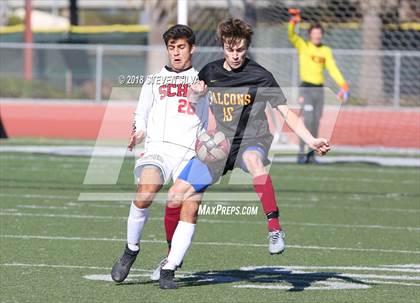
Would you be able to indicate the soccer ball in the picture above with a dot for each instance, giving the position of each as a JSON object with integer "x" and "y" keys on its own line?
{"x": 212, "y": 146}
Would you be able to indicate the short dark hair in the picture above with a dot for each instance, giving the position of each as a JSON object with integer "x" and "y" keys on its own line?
{"x": 316, "y": 26}
{"x": 179, "y": 31}
{"x": 234, "y": 30}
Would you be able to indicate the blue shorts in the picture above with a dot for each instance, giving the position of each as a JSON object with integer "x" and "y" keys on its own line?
{"x": 199, "y": 175}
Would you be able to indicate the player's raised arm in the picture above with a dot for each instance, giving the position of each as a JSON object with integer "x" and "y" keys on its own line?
{"x": 294, "y": 38}
{"x": 141, "y": 116}
{"x": 320, "y": 145}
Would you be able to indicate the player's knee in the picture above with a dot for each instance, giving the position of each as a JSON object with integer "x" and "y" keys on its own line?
{"x": 252, "y": 158}
{"x": 146, "y": 193}
{"x": 253, "y": 163}
{"x": 142, "y": 203}
{"x": 173, "y": 204}
{"x": 181, "y": 191}
{"x": 176, "y": 194}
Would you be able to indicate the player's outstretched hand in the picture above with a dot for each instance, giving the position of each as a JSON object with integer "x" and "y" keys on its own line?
{"x": 197, "y": 89}
{"x": 320, "y": 145}
{"x": 343, "y": 94}
{"x": 135, "y": 139}
{"x": 295, "y": 15}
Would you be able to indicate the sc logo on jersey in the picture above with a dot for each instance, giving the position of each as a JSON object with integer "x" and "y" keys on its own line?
{"x": 173, "y": 90}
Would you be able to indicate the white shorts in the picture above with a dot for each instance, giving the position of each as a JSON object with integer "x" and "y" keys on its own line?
{"x": 170, "y": 159}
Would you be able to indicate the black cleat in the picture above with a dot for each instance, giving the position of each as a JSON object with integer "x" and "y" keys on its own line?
{"x": 122, "y": 267}
{"x": 301, "y": 159}
{"x": 166, "y": 280}
{"x": 155, "y": 276}
{"x": 310, "y": 158}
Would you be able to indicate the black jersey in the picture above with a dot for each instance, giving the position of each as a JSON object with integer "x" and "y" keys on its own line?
{"x": 238, "y": 98}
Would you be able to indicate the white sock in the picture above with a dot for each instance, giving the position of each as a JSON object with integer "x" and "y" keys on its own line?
{"x": 137, "y": 218}
{"x": 181, "y": 241}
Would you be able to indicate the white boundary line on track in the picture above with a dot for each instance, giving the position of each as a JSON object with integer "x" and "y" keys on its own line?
{"x": 29, "y": 237}
{"x": 210, "y": 221}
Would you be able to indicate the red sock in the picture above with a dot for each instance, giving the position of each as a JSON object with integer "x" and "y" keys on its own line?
{"x": 171, "y": 222}
{"x": 265, "y": 191}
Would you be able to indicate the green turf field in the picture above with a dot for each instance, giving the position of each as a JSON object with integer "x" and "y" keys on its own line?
{"x": 353, "y": 235}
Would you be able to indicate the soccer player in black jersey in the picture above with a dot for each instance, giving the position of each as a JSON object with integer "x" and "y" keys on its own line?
{"x": 239, "y": 90}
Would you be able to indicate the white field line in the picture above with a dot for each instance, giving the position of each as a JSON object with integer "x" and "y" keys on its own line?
{"x": 294, "y": 205}
{"x": 301, "y": 206}
{"x": 319, "y": 178}
{"x": 406, "y": 228}
{"x": 55, "y": 266}
{"x": 375, "y": 170}
{"x": 42, "y": 167}
{"x": 59, "y": 159}
{"x": 387, "y": 268}
{"x": 9, "y": 209}
{"x": 304, "y": 269}
{"x": 127, "y": 197}
{"x": 320, "y": 206}
{"x": 148, "y": 271}
{"x": 376, "y": 250}
{"x": 344, "y": 179}
{"x": 224, "y": 196}
{"x": 66, "y": 158}
{"x": 35, "y": 196}
{"x": 115, "y": 198}
{"x": 161, "y": 199}
{"x": 390, "y": 282}
{"x": 43, "y": 207}
{"x": 282, "y": 270}
{"x": 403, "y": 266}
{"x": 314, "y": 204}
{"x": 36, "y": 156}
{"x": 386, "y": 277}
{"x": 324, "y": 285}
{"x": 334, "y": 283}
{"x": 210, "y": 221}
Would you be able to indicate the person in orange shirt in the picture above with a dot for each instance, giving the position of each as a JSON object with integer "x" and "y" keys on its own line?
{"x": 314, "y": 58}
